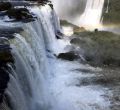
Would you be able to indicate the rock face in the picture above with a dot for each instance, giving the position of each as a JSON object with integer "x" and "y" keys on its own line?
{"x": 71, "y": 56}
{"x": 8, "y": 33}
{"x": 5, "y": 6}
{"x": 111, "y": 12}
{"x": 19, "y": 14}
{"x": 5, "y": 58}
{"x": 4, "y": 79}
{"x": 40, "y": 1}
{"x": 13, "y": 10}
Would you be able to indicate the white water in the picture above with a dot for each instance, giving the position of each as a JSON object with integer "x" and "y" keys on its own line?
{"x": 92, "y": 14}
{"x": 67, "y": 30}
{"x": 88, "y": 15}
{"x": 107, "y": 9}
{"x": 41, "y": 81}
{"x": 29, "y": 81}
{"x": 69, "y": 9}
{"x": 66, "y": 85}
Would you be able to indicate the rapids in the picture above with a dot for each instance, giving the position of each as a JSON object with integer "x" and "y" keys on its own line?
{"x": 40, "y": 81}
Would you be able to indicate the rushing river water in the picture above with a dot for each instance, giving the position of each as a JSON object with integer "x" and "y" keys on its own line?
{"x": 40, "y": 81}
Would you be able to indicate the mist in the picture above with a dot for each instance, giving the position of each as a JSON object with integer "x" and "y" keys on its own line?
{"x": 69, "y": 10}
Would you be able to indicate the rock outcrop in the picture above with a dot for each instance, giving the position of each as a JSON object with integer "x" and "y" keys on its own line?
{"x": 71, "y": 56}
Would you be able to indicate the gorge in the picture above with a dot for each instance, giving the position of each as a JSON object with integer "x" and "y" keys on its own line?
{"x": 40, "y": 67}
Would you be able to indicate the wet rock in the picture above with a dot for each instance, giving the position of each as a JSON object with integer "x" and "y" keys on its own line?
{"x": 21, "y": 3}
{"x": 71, "y": 56}
{"x": 51, "y": 5}
{"x": 8, "y": 32}
{"x": 59, "y": 35}
{"x": 2, "y": 14}
{"x": 42, "y": 2}
{"x": 5, "y": 52}
{"x": 4, "y": 75}
{"x": 5, "y": 58}
{"x": 76, "y": 41}
{"x": 4, "y": 79}
{"x": 5, "y": 6}
{"x": 96, "y": 30}
{"x": 85, "y": 70}
{"x": 19, "y": 14}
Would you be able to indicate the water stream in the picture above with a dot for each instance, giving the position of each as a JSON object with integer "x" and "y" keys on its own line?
{"x": 40, "y": 81}
{"x": 92, "y": 15}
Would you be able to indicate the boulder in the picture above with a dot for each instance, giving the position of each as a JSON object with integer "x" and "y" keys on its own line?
{"x": 96, "y": 30}
{"x": 71, "y": 56}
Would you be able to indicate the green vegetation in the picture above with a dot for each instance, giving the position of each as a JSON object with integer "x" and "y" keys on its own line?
{"x": 76, "y": 29}
{"x": 113, "y": 15}
{"x": 66, "y": 23}
{"x": 99, "y": 47}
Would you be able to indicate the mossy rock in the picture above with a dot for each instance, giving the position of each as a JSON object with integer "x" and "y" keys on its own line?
{"x": 76, "y": 28}
{"x": 113, "y": 15}
{"x": 100, "y": 48}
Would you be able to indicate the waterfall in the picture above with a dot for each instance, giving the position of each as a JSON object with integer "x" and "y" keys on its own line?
{"x": 92, "y": 13}
{"x": 38, "y": 80}
{"x": 83, "y": 13}
{"x": 29, "y": 75}
{"x": 70, "y": 12}
{"x": 107, "y": 9}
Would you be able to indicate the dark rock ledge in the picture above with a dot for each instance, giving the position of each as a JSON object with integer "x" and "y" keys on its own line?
{"x": 70, "y": 56}
{"x": 6, "y": 58}
{"x": 8, "y": 32}
{"x": 18, "y": 10}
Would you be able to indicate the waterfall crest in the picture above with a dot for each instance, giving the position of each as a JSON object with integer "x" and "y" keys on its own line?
{"x": 38, "y": 79}
{"x": 92, "y": 13}
{"x": 28, "y": 85}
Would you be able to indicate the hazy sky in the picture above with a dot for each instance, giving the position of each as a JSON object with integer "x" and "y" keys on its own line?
{"x": 69, "y": 9}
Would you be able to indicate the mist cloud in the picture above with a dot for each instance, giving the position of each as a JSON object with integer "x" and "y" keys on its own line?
{"x": 69, "y": 9}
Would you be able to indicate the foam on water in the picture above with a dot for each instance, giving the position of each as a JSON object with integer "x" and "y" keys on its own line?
{"x": 69, "y": 96}
{"x": 68, "y": 93}
{"x": 42, "y": 83}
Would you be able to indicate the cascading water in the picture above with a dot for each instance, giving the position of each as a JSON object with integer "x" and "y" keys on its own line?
{"x": 83, "y": 13}
{"x": 107, "y": 9}
{"x": 70, "y": 12}
{"x": 92, "y": 14}
{"x": 28, "y": 85}
{"x": 40, "y": 81}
